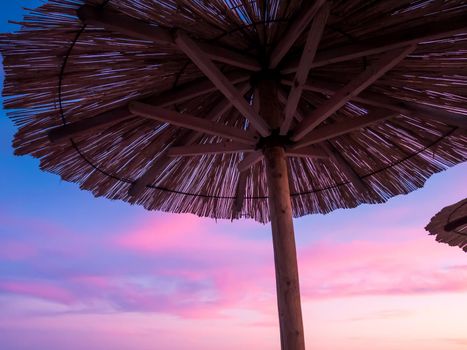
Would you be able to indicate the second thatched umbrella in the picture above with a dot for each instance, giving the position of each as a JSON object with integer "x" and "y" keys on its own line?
{"x": 230, "y": 109}
{"x": 450, "y": 225}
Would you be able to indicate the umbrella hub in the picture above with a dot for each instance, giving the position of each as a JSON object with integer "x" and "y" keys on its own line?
{"x": 275, "y": 140}
{"x": 265, "y": 75}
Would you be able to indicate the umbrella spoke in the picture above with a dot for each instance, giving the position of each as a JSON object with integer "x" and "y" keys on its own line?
{"x": 393, "y": 104}
{"x": 188, "y": 121}
{"x": 186, "y": 138}
{"x": 428, "y": 31}
{"x": 204, "y": 63}
{"x": 353, "y": 88}
{"x": 293, "y": 32}
{"x": 83, "y": 126}
{"x": 340, "y": 128}
{"x": 183, "y": 93}
{"x": 314, "y": 37}
{"x": 135, "y": 28}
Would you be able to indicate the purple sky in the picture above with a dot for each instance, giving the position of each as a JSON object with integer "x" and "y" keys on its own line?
{"x": 79, "y": 272}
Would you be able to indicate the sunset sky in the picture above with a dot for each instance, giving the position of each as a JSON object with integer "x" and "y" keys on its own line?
{"x": 78, "y": 272}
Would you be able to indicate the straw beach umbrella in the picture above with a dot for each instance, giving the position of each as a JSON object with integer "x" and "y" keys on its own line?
{"x": 240, "y": 108}
{"x": 450, "y": 225}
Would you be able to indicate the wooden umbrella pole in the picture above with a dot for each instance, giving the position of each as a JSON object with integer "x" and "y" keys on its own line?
{"x": 280, "y": 209}
{"x": 285, "y": 255}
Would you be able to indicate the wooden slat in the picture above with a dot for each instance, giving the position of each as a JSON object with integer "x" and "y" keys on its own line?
{"x": 307, "y": 152}
{"x": 330, "y": 131}
{"x": 349, "y": 173}
{"x": 180, "y": 94}
{"x": 296, "y": 28}
{"x": 353, "y": 88}
{"x": 138, "y": 29}
{"x": 191, "y": 122}
{"x": 203, "y": 62}
{"x": 430, "y": 30}
{"x": 308, "y": 54}
{"x": 250, "y": 160}
{"x": 210, "y": 148}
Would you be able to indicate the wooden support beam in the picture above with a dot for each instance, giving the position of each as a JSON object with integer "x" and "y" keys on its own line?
{"x": 180, "y": 94}
{"x": 250, "y": 160}
{"x": 365, "y": 97}
{"x": 392, "y": 104}
{"x": 340, "y": 128}
{"x": 353, "y": 88}
{"x": 307, "y": 152}
{"x": 186, "y": 138}
{"x": 138, "y": 29}
{"x": 209, "y": 148}
{"x": 282, "y": 95}
{"x": 83, "y": 126}
{"x": 427, "y": 31}
{"x": 191, "y": 122}
{"x": 296, "y": 28}
{"x": 203, "y": 62}
{"x": 456, "y": 224}
{"x": 217, "y": 111}
{"x": 346, "y": 169}
{"x": 304, "y": 66}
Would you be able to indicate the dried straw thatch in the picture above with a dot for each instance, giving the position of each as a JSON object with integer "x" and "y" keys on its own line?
{"x": 450, "y": 225}
{"x": 60, "y": 70}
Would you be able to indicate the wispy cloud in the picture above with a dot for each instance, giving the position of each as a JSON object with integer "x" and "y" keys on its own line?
{"x": 190, "y": 267}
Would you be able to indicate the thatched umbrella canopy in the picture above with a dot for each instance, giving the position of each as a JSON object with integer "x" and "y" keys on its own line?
{"x": 242, "y": 108}
{"x": 450, "y": 225}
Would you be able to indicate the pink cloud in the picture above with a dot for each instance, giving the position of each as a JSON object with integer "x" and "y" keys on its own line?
{"x": 416, "y": 265}
{"x": 38, "y": 289}
{"x": 240, "y": 272}
{"x": 192, "y": 268}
